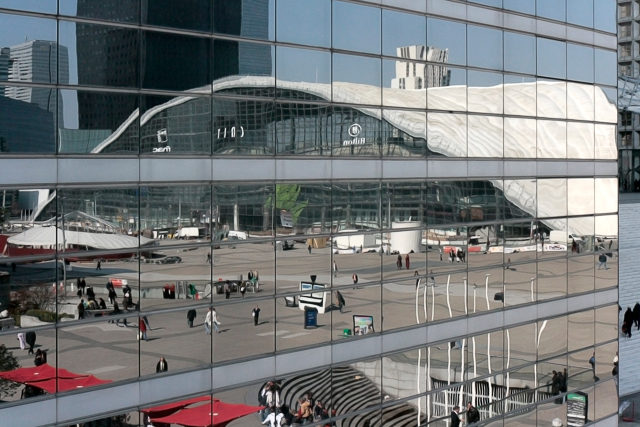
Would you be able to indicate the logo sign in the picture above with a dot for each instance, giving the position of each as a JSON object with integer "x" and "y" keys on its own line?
{"x": 163, "y": 137}
{"x": 232, "y": 131}
{"x": 354, "y": 131}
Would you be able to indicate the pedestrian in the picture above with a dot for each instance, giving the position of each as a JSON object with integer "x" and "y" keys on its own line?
{"x": 354, "y": 277}
{"x": 143, "y": 329}
{"x": 432, "y": 278}
{"x": 440, "y": 251}
{"x": 30, "y": 338}
{"x": 628, "y": 320}
{"x": 473, "y": 416}
{"x": 214, "y": 320}
{"x": 207, "y": 321}
{"x": 452, "y": 255}
{"x": 243, "y": 288}
{"x": 455, "y": 418}
{"x": 636, "y": 315}
{"x": 78, "y": 286}
{"x": 227, "y": 290}
{"x": 602, "y": 260}
{"x": 162, "y": 366}
{"x": 592, "y": 362}
{"x": 209, "y": 257}
{"x": 399, "y": 262}
{"x": 615, "y": 365}
{"x": 406, "y": 262}
{"x": 610, "y": 243}
{"x": 21, "y": 341}
{"x": 191, "y": 316}
{"x": 417, "y": 278}
{"x": 340, "y": 301}
{"x": 309, "y": 249}
{"x": 256, "y": 315}
{"x": 99, "y": 265}
{"x": 506, "y": 266}
{"x": 81, "y": 309}
{"x": 102, "y": 304}
{"x": 335, "y": 269}
{"x": 564, "y": 381}
{"x": 83, "y": 284}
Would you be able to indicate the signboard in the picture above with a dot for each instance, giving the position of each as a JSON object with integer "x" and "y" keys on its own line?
{"x": 310, "y": 317}
{"x": 320, "y": 300}
{"x": 354, "y": 132}
{"x": 286, "y": 219}
{"x": 577, "y": 408}
{"x": 362, "y": 325}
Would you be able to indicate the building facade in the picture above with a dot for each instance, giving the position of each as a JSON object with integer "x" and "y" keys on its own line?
{"x": 452, "y": 240}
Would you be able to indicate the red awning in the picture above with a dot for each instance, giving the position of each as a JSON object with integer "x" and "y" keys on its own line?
{"x": 46, "y": 377}
{"x": 66, "y": 384}
{"x": 170, "y": 408}
{"x": 215, "y": 414}
{"x": 38, "y": 373}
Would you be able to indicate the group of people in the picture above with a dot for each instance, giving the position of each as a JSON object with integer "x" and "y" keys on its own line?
{"x": 308, "y": 410}
{"x": 559, "y": 381}
{"x": 472, "y": 415}
{"x": 631, "y": 318}
{"x": 407, "y": 262}
{"x": 459, "y": 255}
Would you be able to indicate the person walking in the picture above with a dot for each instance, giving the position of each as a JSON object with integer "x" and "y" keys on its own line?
{"x": 227, "y": 290}
{"x": 207, "y": 321}
{"x": 407, "y": 262}
{"x": 256, "y": 315}
{"x": 340, "y": 300}
{"x": 592, "y": 362}
{"x": 99, "y": 264}
{"x": 209, "y": 257}
{"x": 473, "y": 416}
{"x": 162, "y": 366}
{"x": 335, "y": 269}
{"x": 215, "y": 321}
{"x": 399, "y": 262}
{"x": 354, "y": 277}
{"x": 309, "y": 249}
{"x": 143, "y": 328}
{"x": 628, "y": 321}
{"x": 636, "y": 315}
{"x": 243, "y": 288}
{"x": 39, "y": 359}
{"x": 440, "y": 251}
{"x": 602, "y": 261}
{"x": 81, "y": 309}
{"x": 432, "y": 278}
{"x": 191, "y": 316}
{"x": 30, "y": 338}
{"x": 455, "y": 418}
{"x": 417, "y": 278}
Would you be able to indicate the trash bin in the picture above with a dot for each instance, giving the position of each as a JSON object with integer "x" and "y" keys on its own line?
{"x": 310, "y": 317}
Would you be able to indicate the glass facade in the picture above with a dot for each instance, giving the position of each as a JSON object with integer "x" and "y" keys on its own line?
{"x": 400, "y": 170}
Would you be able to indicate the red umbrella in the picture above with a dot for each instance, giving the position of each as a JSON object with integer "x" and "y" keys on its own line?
{"x": 66, "y": 384}
{"x": 38, "y": 373}
{"x": 170, "y": 408}
{"x": 217, "y": 414}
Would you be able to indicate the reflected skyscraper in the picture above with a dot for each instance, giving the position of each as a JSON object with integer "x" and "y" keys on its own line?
{"x": 417, "y": 75}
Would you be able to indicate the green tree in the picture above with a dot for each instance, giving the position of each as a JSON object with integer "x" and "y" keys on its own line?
{"x": 287, "y": 199}
{"x": 7, "y": 363}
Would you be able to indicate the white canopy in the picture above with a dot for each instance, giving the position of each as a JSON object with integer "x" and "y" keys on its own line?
{"x": 52, "y": 236}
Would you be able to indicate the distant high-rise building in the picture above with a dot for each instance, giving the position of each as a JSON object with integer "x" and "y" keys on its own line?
{"x": 4, "y": 67}
{"x": 415, "y": 75}
{"x": 36, "y": 61}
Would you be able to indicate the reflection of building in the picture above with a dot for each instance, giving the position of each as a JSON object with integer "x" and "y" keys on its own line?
{"x": 417, "y": 75}
{"x": 4, "y": 67}
{"x": 37, "y": 61}
{"x": 25, "y": 128}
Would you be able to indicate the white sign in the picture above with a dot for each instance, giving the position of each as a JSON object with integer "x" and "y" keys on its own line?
{"x": 222, "y": 132}
{"x": 163, "y": 137}
{"x": 354, "y": 131}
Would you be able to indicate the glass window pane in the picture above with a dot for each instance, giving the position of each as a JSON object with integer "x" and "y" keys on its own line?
{"x": 581, "y": 196}
{"x": 448, "y": 35}
{"x": 579, "y": 63}
{"x": 485, "y": 47}
{"x": 355, "y": 132}
{"x": 580, "y": 12}
{"x": 243, "y": 126}
{"x": 580, "y": 140}
{"x": 552, "y": 139}
{"x": 519, "y": 95}
{"x": 405, "y": 83}
{"x": 552, "y": 197}
{"x": 606, "y": 104}
{"x": 580, "y": 101}
{"x": 403, "y": 140}
{"x": 552, "y": 58}
{"x": 447, "y": 134}
{"x": 118, "y": 10}
{"x": 252, "y": 60}
{"x": 604, "y": 15}
{"x": 364, "y": 72}
{"x": 253, "y": 18}
{"x": 401, "y": 30}
{"x": 519, "y": 53}
{"x": 552, "y": 99}
{"x": 552, "y": 9}
{"x": 524, "y": 6}
{"x": 164, "y": 57}
{"x": 485, "y": 136}
{"x": 494, "y": 3}
{"x": 606, "y": 73}
{"x": 46, "y": 6}
{"x": 188, "y": 15}
{"x": 453, "y": 97}
{"x": 307, "y": 22}
{"x": 310, "y": 67}
{"x": 484, "y": 92}
{"x": 91, "y": 120}
{"x": 101, "y": 55}
{"x": 349, "y": 33}
{"x": 519, "y": 138}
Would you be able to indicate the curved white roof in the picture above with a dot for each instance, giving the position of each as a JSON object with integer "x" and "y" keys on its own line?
{"x": 52, "y": 236}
